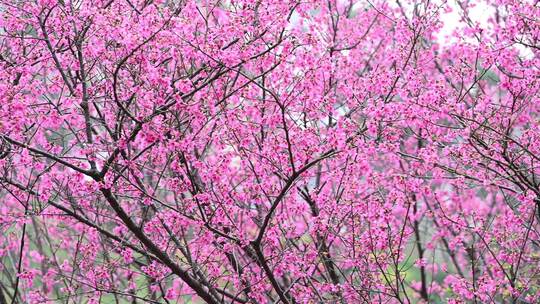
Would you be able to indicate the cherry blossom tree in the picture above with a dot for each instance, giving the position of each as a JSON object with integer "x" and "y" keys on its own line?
{"x": 276, "y": 151}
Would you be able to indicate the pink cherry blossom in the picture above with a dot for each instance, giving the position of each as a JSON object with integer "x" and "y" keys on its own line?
{"x": 248, "y": 151}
